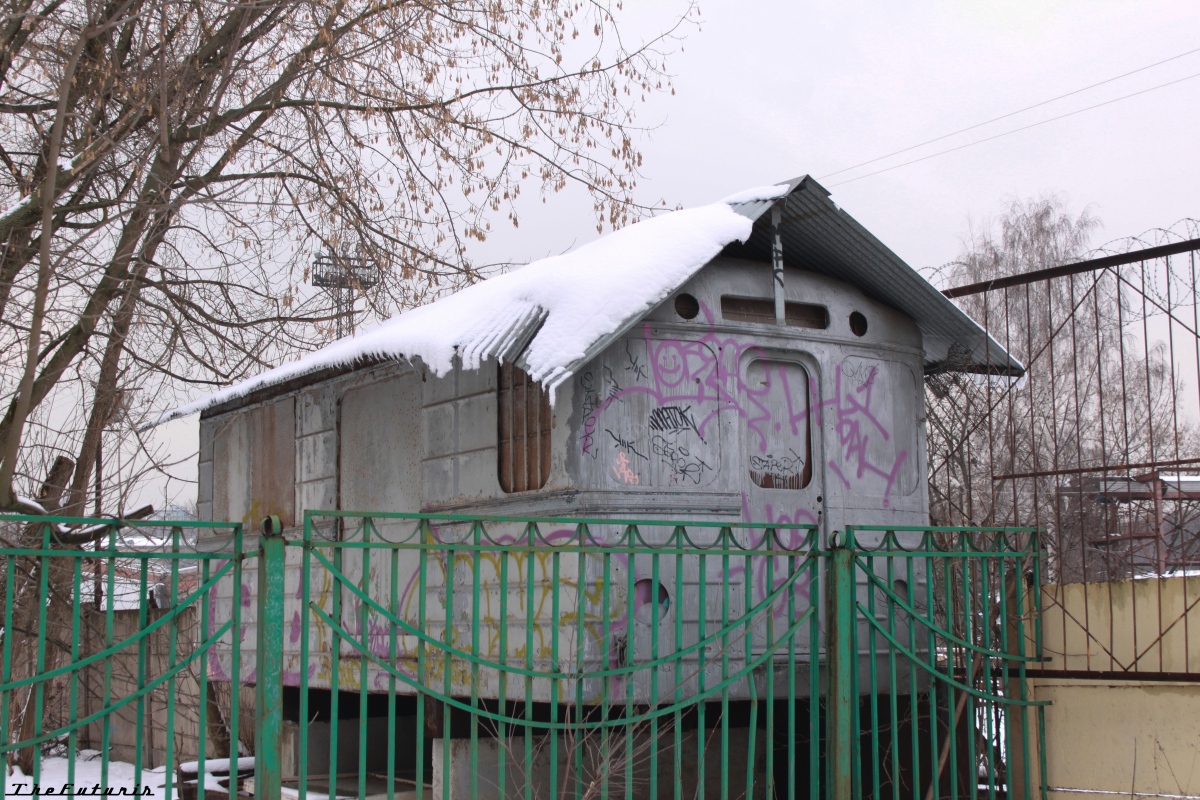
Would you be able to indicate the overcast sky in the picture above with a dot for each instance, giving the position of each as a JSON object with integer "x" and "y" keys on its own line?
{"x": 771, "y": 90}
{"x": 767, "y": 91}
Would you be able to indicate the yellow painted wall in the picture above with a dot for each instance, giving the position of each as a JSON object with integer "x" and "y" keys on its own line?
{"x": 1122, "y": 736}
{"x": 1138, "y": 738}
{"x": 1150, "y": 625}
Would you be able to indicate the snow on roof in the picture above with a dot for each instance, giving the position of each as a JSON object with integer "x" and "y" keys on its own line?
{"x": 562, "y": 306}
{"x": 758, "y": 193}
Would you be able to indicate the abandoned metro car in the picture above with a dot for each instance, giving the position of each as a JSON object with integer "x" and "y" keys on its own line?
{"x": 756, "y": 360}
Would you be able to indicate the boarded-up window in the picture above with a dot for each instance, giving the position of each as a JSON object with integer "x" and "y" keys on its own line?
{"x": 762, "y": 312}
{"x": 380, "y": 433}
{"x": 273, "y": 470}
{"x": 524, "y": 412}
{"x": 254, "y": 464}
{"x": 273, "y": 463}
{"x": 778, "y": 426}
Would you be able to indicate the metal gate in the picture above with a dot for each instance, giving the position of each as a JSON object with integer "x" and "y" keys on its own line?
{"x": 930, "y": 632}
{"x": 433, "y": 656}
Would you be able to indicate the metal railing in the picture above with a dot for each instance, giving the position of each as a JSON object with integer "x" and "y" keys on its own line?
{"x": 438, "y": 656}
{"x": 950, "y": 617}
{"x": 1098, "y": 445}
{"x": 587, "y": 654}
{"x": 106, "y": 643}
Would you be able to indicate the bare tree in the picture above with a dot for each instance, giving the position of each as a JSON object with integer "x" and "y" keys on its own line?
{"x": 1101, "y": 389}
{"x": 168, "y": 169}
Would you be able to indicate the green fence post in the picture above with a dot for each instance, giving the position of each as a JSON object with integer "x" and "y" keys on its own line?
{"x": 268, "y": 690}
{"x": 841, "y": 659}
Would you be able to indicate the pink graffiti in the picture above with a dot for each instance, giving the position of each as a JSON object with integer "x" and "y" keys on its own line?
{"x": 855, "y": 425}
{"x": 786, "y": 539}
{"x": 707, "y": 371}
{"x": 697, "y": 372}
{"x": 624, "y": 473}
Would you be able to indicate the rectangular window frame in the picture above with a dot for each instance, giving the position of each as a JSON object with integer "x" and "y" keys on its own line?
{"x": 761, "y": 311}
{"x": 523, "y": 431}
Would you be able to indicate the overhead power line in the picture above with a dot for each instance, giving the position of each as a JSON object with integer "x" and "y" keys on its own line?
{"x": 1018, "y": 111}
{"x": 1018, "y": 130}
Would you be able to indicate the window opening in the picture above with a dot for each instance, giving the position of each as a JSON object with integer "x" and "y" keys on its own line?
{"x": 524, "y": 422}
{"x": 762, "y": 311}
{"x": 687, "y": 306}
{"x": 779, "y": 435}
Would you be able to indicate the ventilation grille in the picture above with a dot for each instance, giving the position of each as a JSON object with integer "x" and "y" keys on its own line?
{"x": 524, "y": 417}
{"x": 762, "y": 311}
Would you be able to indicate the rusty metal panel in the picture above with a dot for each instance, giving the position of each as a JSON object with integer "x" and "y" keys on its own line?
{"x": 523, "y": 413}
{"x": 231, "y": 468}
{"x": 273, "y": 461}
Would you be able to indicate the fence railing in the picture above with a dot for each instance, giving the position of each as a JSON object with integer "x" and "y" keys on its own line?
{"x": 107, "y": 635}
{"x": 439, "y": 656}
{"x": 572, "y": 657}
{"x": 1098, "y": 445}
{"x": 950, "y": 618}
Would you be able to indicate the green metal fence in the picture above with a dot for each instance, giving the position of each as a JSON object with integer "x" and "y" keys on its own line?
{"x": 440, "y": 656}
{"x": 930, "y": 634}
{"x": 107, "y": 640}
{"x": 564, "y": 657}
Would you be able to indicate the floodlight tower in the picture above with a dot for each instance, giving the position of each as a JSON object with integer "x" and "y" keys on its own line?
{"x": 342, "y": 276}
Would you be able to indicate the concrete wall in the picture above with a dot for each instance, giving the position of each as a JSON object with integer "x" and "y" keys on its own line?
{"x": 1123, "y": 737}
{"x": 1113, "y": 734}
{"x": 1116, "y": 625}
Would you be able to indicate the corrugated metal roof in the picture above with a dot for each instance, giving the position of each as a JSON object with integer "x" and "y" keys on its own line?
{"x": 820, "y": 237}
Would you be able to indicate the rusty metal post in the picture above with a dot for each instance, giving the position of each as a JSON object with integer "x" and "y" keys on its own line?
{"x": 1160, "y": 542}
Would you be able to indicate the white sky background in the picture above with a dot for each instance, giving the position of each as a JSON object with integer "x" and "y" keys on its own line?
{"x": 767, "y": 91}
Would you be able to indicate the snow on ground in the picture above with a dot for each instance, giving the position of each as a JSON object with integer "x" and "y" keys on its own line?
{"x": 585, "y": 296}
{"x": 54, "y": 777}
{"x": 87, "y": 776}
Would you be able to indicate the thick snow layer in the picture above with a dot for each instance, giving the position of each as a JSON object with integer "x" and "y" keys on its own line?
{"x": 585, "y": 295}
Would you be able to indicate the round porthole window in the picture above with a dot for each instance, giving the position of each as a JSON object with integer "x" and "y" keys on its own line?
{"x": 650, "y": 600}
{"x": 686, "y": 306}
{"x": 858, "y": 324}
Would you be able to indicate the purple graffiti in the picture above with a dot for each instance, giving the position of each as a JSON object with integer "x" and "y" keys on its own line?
{"x": 855, "y": 425}
{"x": 692, "y": 382}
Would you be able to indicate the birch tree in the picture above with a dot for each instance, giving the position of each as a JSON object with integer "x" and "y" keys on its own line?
{"x": 1101, "y": 389}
